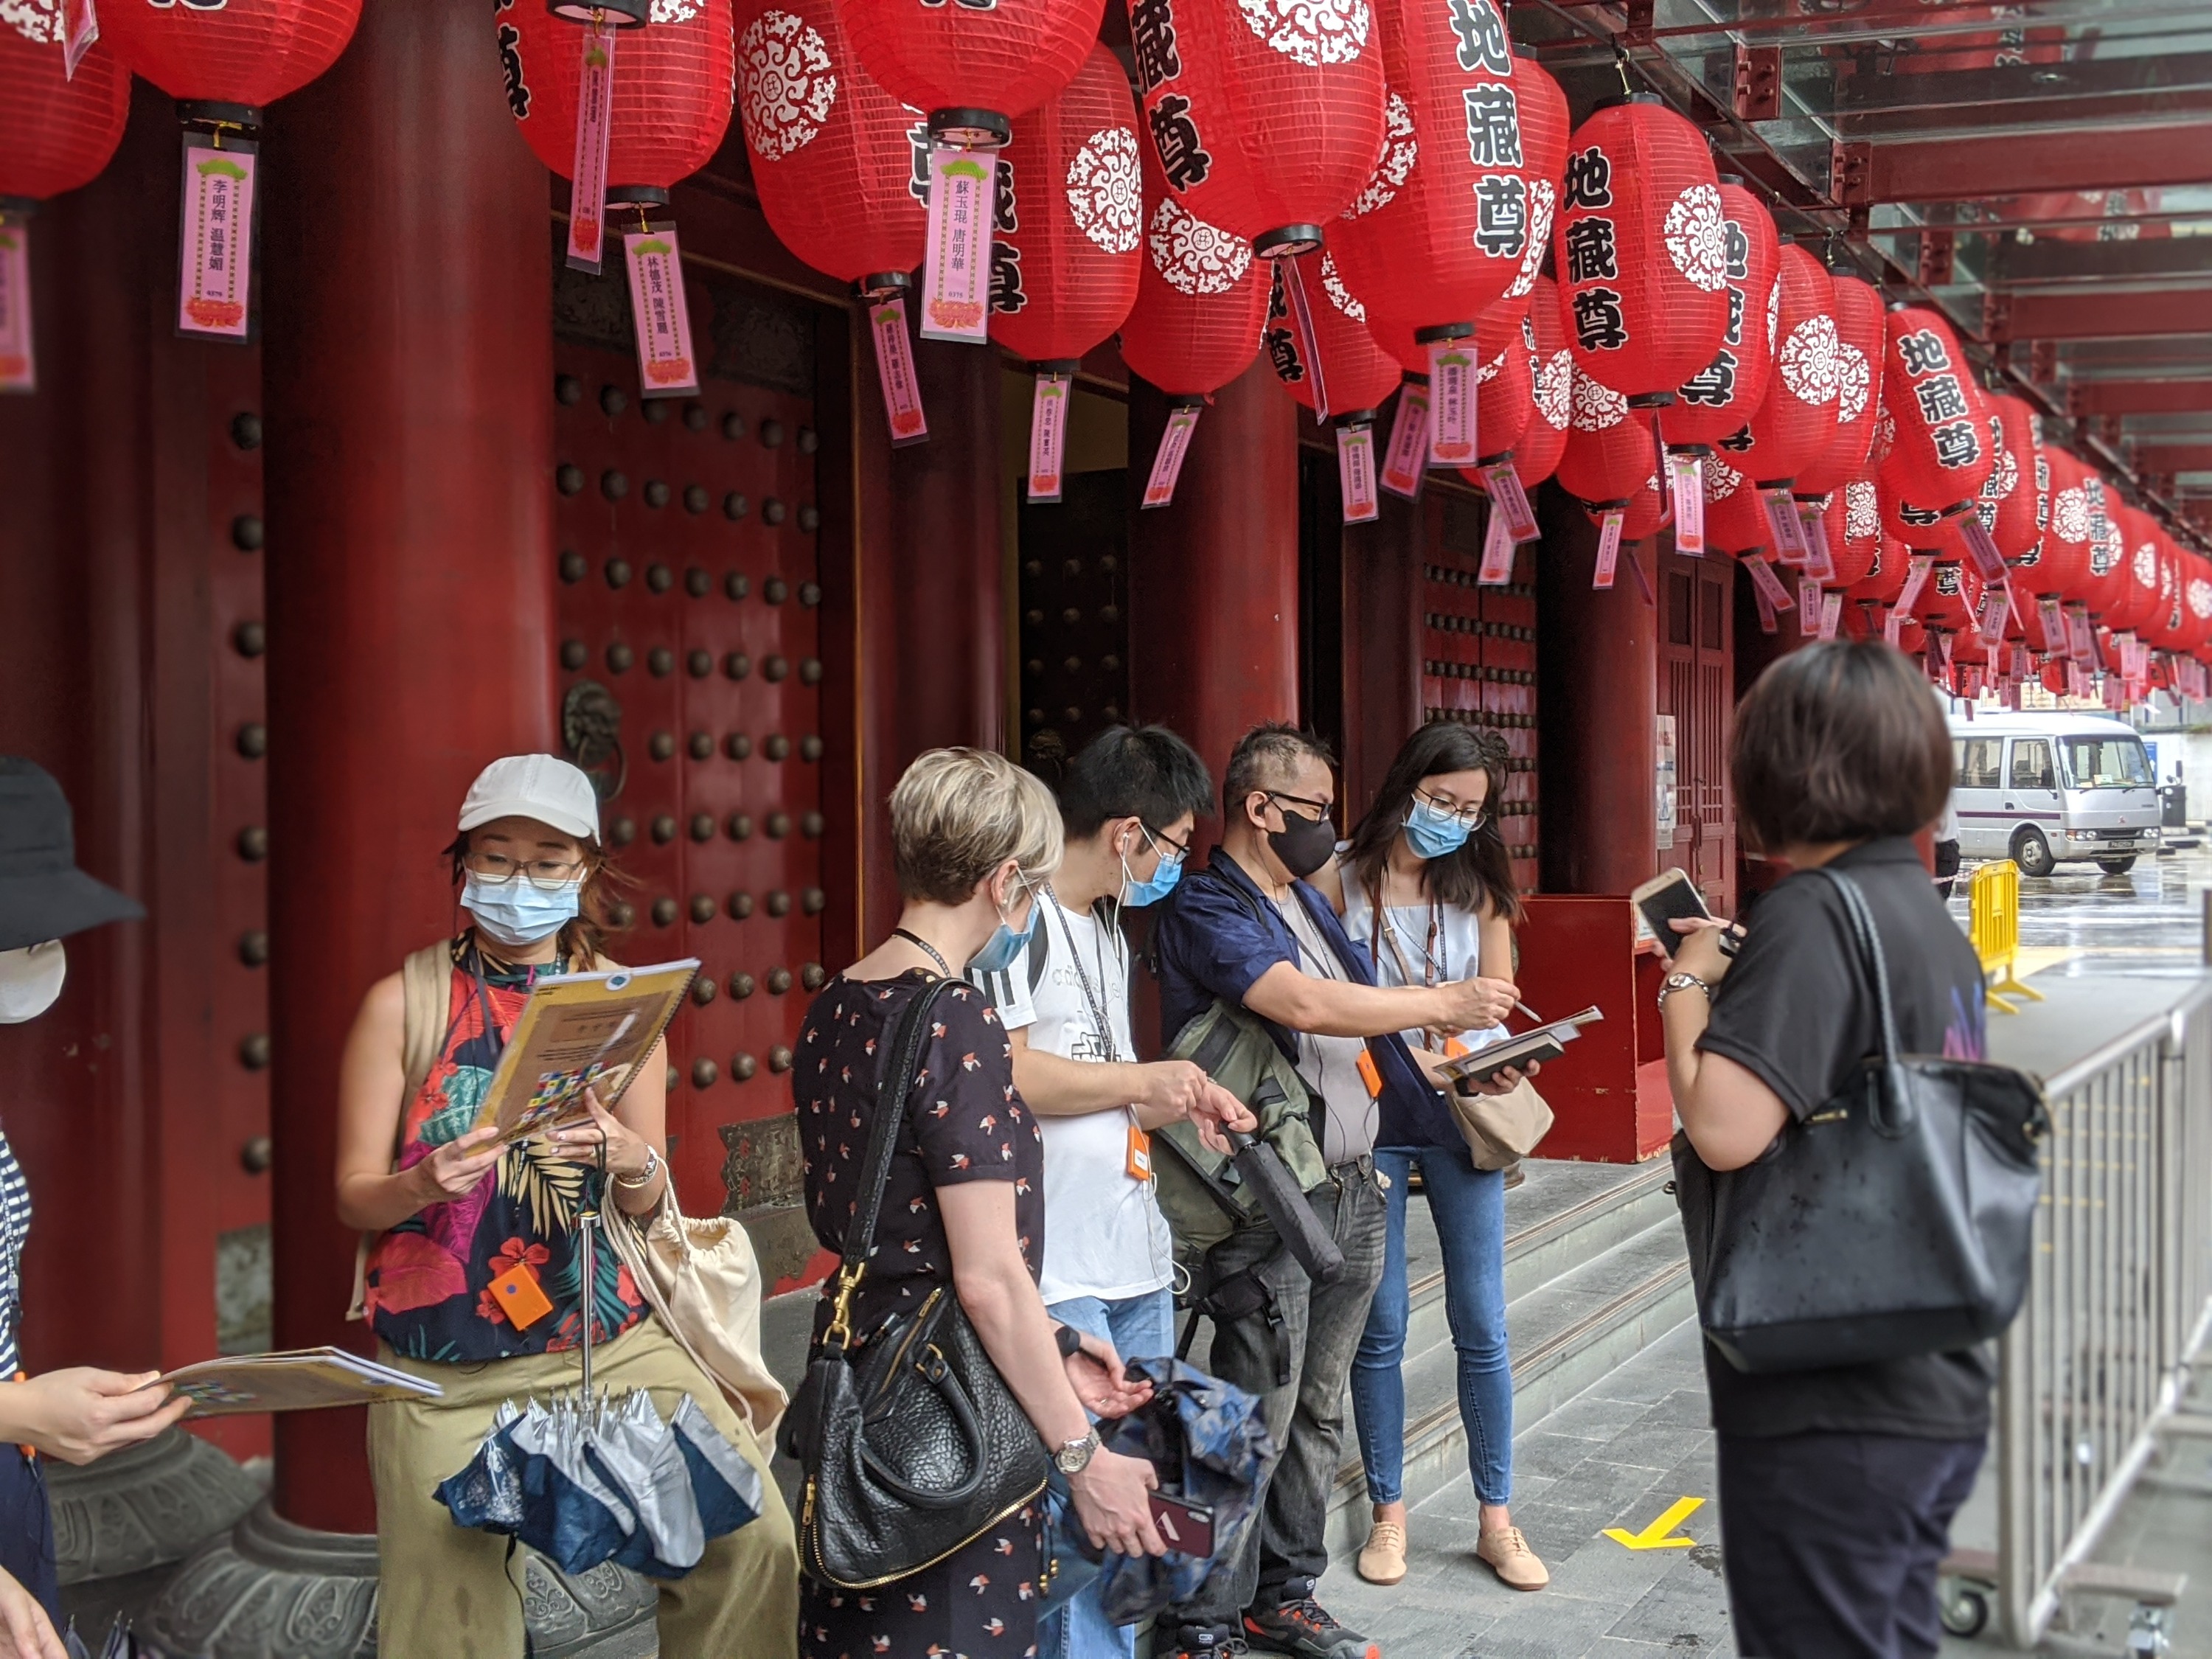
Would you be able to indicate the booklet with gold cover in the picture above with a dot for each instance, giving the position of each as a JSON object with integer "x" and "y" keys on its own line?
{"x": 580, "y": 1030}
{"x": 297, "y": 1380}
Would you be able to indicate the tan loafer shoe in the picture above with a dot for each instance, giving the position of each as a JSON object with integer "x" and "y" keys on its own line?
{"x": 1507, "y": 1554}
{"x": 1383, "y": 1558}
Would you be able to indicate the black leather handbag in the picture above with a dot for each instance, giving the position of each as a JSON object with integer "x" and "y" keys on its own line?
{"x": 910, "y": 1442}
{"x": 1897, "y": 1219}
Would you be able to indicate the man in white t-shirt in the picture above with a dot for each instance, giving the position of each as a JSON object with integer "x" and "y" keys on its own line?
{"x": 1128, "y": 804}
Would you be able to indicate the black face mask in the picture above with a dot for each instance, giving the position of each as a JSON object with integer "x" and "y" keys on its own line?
{"x": 1303, "y": 844}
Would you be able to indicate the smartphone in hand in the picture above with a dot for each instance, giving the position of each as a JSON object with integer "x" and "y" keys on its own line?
{"x": 1668, "y": 897}
{"x": 1187, "y": 1529}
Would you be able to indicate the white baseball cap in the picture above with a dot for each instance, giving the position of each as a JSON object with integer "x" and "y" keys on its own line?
{"x": 541, "y": 786}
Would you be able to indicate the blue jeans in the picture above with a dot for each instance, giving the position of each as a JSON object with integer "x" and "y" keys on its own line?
{"x": 1140, "y": 1327}
{"x": 1469, "y": 1207}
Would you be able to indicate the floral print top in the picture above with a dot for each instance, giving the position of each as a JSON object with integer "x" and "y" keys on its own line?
{"x": 430, "y": 1278}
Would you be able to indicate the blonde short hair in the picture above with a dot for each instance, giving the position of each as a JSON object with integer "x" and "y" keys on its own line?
{"x": 958, "y": 814}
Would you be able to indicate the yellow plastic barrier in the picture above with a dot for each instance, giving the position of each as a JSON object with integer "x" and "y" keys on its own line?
{"x": 1993, "y": 925}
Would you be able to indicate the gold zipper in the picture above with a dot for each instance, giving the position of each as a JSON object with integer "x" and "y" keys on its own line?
{"x": 806, "y": 1532}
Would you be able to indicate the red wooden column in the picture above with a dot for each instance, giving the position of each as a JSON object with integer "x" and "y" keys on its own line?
{"x": 1383, "y": 631}
{"x": 408, "y": 360}
{"x": 1213, "y": 576}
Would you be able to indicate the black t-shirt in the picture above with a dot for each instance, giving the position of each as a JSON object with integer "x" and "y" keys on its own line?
{"x": 1798, "y": 1010}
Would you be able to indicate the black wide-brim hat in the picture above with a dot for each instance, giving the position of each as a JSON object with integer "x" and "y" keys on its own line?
{"x": 43, "y": 895}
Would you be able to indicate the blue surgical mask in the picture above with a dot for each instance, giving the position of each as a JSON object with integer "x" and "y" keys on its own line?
{"x": 1432, "y": 834}
{"x": 517, "y": 913}
{"x": 1135, "y": 893}
{"x": 1003, "y": 948}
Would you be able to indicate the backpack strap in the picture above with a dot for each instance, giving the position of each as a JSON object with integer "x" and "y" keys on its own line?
{"x": 424, "y": 979}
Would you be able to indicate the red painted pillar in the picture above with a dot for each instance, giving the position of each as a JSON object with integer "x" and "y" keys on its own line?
{"x": 1382, "y": 601}
{"x": 1598, "y": 691}
{"x": 408, "y": 359}
{"x": 1213, "y": 577}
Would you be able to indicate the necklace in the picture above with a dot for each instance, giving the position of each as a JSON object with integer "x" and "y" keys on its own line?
{"x": 934, "y": 953}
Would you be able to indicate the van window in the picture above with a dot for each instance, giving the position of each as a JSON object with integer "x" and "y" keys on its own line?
{"x": 2106, "y": 762}
{"x": 2031, "y": 765}
{"x": 1980, "y": 763}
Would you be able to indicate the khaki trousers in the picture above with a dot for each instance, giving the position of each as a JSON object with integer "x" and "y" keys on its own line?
{"x": 446, "y": 1591}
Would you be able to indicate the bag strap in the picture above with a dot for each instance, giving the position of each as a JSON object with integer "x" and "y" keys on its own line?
{"x": 423, "y": 979}
{"x": 1870, "y": 954}
{"x": 905, "y": 1050}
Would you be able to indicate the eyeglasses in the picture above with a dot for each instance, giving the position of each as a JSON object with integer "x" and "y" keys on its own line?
{"x": 1470, "y": 817}
{"x": 1320, "y": 807}
{"x": 1173, "y": 852}
{"x": 497, "y": 868}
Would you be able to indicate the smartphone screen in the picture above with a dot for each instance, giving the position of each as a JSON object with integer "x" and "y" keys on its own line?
{"x": 1669, "y": 896}
{"x": 1185, "y": 1528}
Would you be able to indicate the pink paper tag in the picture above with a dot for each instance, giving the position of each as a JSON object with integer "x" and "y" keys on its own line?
{"x": 1643, "y": 582}
{"x": 2077, "y": 680}
{"x": 1764, "y": 579}
{"x": 2081, "y": 638}
{"x": 2113, "y": 696}
{"x": 1831, "y": 614}
{"x": 1767, "y": 623}
{"x": 1048, "y": 434}
{"x": 1685, "y": 477}
{"x": 1407, "y": 463}
{"x": 1788, "y": 531}
{"x": 80, "y": 28}
{"x": 1355, "y": 472}
{"x": 1498, "y": 545}
{"x": 664, "y": 365}
{"x": 216, "y": 251}
{"x": 2022, "y": 666}
{"x": 1608, "y": 547}
{"x": 1507, "y": 496}
{"x": 1294, "y": 288}
{"x": 1451, "y": 397}
{"x": 1167, "y": 460}
{"x": 595, "y": 124}
{"x": 2053, "y": 619}
{"x": 1939, "y": 646}
{"x": 1997, "y": 610}
{"x": 956, "y": 270}
{"x": 894, "y": 370}
{"x": 1808, "y": 606}
{"x": 1819, "y": 558}
{"x": 19, "y": 368}
{"x": 2012, "y": 695}
{"x": 1893, "y": 624}
{"x": 1981, "y": 546}
{"x": 1916, "y": 578}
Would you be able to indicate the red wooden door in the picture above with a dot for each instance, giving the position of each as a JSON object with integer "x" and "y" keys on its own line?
{"x": 1696, "y": 683}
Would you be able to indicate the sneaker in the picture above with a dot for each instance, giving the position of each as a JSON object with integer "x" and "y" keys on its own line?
{"x": 1298, "y": 1627}
{"x": 1200, "y": 1642}
{"x": 1383, "y": 1558}
{"x": 1506, "y": 1553}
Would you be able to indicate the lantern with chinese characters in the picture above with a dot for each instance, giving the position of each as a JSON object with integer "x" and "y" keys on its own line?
{"x": 1195, "y": 326}
{"x": 1609, "y": 452}
{"x": 2019, "y": 488}
{"x": 1795, "y": 421}
{"x": 1943, "y": 601}
{"x": 2060, "y": 566}
{"x": 841, "y": 171}
{"x": 1854, "y": 527}
{"x": 1856, "y": 307}
{"x": 1717, "y": 401}
{"x": 1266, "y": 116}
{"x": 2102, "y": 587}
{"x": 1356, "y": 373}
{"x": 1537, "y": 457}
{"x": 1640, "y": 245}
{"x": 1888, "y": 569}
{"x": 1649, "y": 509}
{"x": 1735, "y": 517}
{"x": 2197, "y": 602}
{"x": 2142, "y": 598}
{"x": 1941, "y": 451}
{"x": 1068, "y": 261}
{"x": 1505, "y": 391}
{"x": 66, "y": 131}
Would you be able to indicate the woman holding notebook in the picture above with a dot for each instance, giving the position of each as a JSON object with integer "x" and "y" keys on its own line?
{"x": 474, "y": 1275}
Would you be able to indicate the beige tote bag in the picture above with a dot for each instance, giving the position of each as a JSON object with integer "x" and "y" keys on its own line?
{"x": 1500, "y": 1130}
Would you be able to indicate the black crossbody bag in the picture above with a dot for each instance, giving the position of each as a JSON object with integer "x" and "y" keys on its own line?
{"x": 911, "y": 1443}
{"x": 1897, "y": 1219}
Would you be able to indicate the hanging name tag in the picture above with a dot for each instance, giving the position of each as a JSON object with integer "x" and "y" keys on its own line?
{"x": 894, "y": 369}
{"x": 595, "y": 125}
{"x": 1766, "y": 620}
{"x": 1808, "y": 607}
{"x": 2081, "y": 639}
{"x": 1765, "y": 581}
{"x": 1831, "y": 614}
{"x": 1608, "y": 547}
{"x": 1167, "y": 460}
{"x": 1047, "y": 434}
{"x": 1819, "y": 557}
{"x": 1451, "y": 399}
{"x": 1408, "y": 461}
{"x": 1355, "y": 472}
{"x": 1939, "y": 646}
{"x": 664, "y": 364}
{"x": 1997, "y": 610}
{"x": 1788, "y": 530}
{"x": 1893, "y": 625}
{"x": 520, "y": 1297}
{"x": 80, "y": 28}
{"x": 1309, "y": 343}
{"x": 1498, "y": 545}
{"x": 956, "y": 268}
{"x": 1981, "y": 546}
{"x": 19, "y": 369}
{"x": 217, "y": 248}
{"x": 1686, "y": 478}
{"x": 1507, "y": 496}
{"x": 1140, "y": 1166}
{"x": 2053, "y": 619}
{"x": 1916, "y": 578}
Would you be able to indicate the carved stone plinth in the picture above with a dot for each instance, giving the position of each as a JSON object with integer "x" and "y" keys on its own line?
{"x": 121, "y": 1524}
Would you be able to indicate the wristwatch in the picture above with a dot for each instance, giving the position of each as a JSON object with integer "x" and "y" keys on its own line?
{"x": 1675, "y": 982}
{"x": 1074, "y": 1456}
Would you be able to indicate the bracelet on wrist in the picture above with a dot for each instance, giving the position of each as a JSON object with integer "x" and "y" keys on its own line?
{"x": 643, "y": 1177}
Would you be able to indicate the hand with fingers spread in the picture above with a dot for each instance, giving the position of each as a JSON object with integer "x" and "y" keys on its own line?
{"x": 83, "y": 1414}
{"x": 1111, "y": 1502}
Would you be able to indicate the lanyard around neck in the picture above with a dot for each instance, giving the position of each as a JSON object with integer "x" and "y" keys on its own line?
{"x": 1094, "y": 997}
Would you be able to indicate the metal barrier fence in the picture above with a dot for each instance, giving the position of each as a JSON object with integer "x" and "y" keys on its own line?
{"x": 2118, "y": 1307}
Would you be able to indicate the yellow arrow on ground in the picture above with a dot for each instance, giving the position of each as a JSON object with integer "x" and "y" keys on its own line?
{"x": 1654, "y": 1536}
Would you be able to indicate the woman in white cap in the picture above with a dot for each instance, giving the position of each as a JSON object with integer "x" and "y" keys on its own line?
{"x": 452, "y": 1216}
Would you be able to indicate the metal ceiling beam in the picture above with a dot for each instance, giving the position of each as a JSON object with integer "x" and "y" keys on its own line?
{"x": 2101, "y": 89}
{"x": 2165, "y": 459}
{"x": 1976, "y": 168}
{"x": 2086, "y": 397}
{"x": 2006, "y": 317}
{"x": 2012, "y": 262}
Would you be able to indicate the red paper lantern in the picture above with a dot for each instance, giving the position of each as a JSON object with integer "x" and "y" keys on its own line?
{"x": 1356, "y": 372}
{"x": 2166, "y": 629}
{"x": 2019, "y": 480}
{"x": 1886, "y": 572}
{"x": 2143, "y": 599}
{"x": 996, "y": 61}
{"x": 1717, "y": 401}
{"x": 1941, "y": 451}
{"x": 243, "y": 51}
{"x": 1069, "y": 273}
{"x": 2102, "y": 585}
{"x": 1735, "y": 516}
{"x": 1943, "y": 601}
{"x": 673, "y": 85}
{"x": 1649, "y": 509}
{"x": 1641, "y": 250}
{"x": 838, "y": 162}
{"x": 1853, "y": 528}
{"x": 1610, "y": 449}
{"x": 1505, "y": 394}
{"x": 1796, "y": 420}
{"x": 2060, "y": 567}
{"x": 1200, "y": 306}
{"x": 1856, "y": 308}
{"x": 1537, "y": 457}
{"x": 1265, "y": 115}
{"x": 2197, "y": 602}
{"x": 61, "y": 132}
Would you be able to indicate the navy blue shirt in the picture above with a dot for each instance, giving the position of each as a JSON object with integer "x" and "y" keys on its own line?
{"x": 1219, "y": 933}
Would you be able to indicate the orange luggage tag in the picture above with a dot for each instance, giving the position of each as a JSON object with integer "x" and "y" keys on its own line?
{"x": 1370, "y": 1074}
{"x": 519, "y": 1296}
{"x": 1140, "y": 1154}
